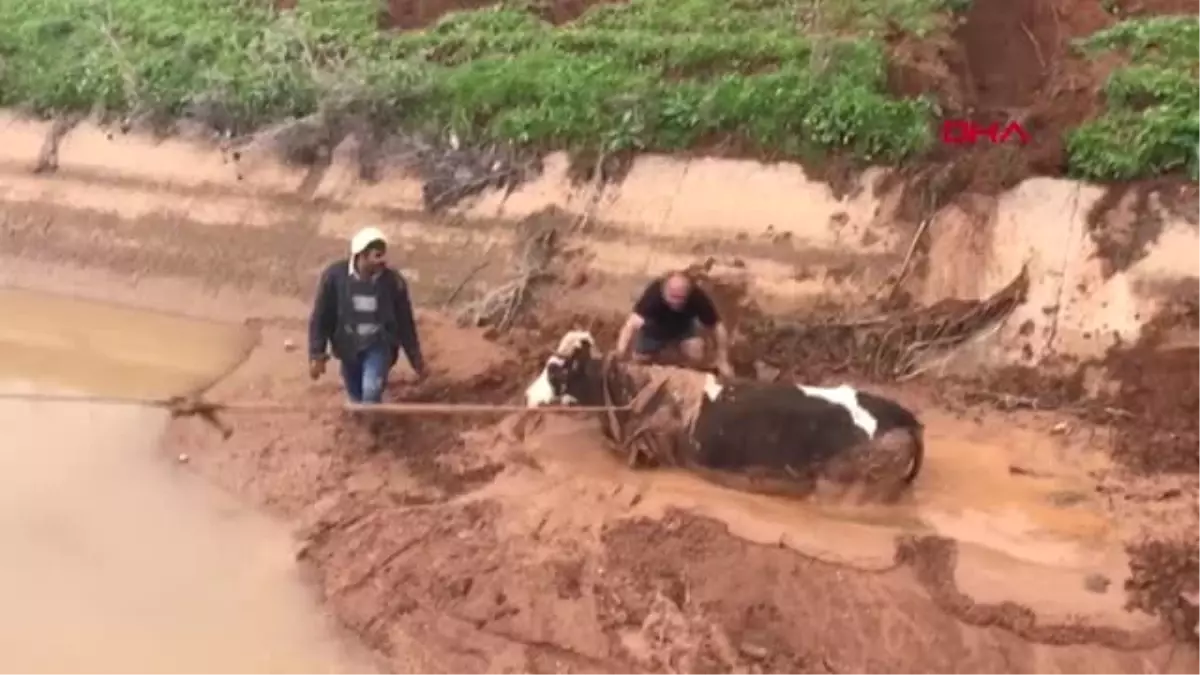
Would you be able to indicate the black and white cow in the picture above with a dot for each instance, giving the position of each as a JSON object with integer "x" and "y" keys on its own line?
{"x": 756, "y": 436}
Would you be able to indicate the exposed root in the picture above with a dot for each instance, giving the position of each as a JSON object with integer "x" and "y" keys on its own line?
{"x": 892, "y": 345}
{"x": 502, "y": 305}
{"x": 47, "y": 161}
{"x": 1163, "y": 582}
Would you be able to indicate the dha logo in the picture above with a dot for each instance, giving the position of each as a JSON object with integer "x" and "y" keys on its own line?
{"x": 966, "y": 132}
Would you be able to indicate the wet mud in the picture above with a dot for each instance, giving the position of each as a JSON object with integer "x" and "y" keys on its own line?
{"x": 522, "y": 544}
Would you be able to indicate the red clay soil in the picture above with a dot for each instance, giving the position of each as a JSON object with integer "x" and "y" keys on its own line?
{"x": 470, "y": 554}
{"x": 1152, "y": 406}
{"x": 1009, "y": 60}
{"x": 1158, "y": 430}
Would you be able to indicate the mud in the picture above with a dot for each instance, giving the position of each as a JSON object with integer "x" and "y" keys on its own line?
{"x": 534, "y": 522}
{"x": 1141, "y": 392}
{"x": 462, "y": 544}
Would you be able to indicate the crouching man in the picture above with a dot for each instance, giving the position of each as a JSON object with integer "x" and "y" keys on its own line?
{"x": 671, "y": 314}
{"x": 363, "y": 313}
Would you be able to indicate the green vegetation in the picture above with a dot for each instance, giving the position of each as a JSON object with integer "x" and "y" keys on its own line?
{"x": 779, "y": 78}
{"x": 1152, "y": 123}
{"x": 782, "y": 76}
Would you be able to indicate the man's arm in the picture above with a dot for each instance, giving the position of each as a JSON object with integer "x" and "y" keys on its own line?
{"x": 641, "y": 309}
{"x": 706, "y": 312}
{"x": 631, "y": 326}
{"x": 322, "y": 321}
{"x": 406, "y": 326}
{"x": 721, "y": 336}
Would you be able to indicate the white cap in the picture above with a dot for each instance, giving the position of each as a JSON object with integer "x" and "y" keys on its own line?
{"x": 364, "y": 238}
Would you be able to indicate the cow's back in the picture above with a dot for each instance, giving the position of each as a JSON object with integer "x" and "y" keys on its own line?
{"x": 771, "y": 426}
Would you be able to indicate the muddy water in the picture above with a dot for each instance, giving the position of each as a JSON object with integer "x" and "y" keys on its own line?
{"x": 115, "y": 558}
{"x": 1033, "y": 535}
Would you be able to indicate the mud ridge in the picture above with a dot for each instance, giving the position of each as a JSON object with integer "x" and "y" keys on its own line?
{"x": 933, "y": 560}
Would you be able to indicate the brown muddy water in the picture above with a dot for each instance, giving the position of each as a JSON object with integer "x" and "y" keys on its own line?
{"x": 115, "y": 558}
{"x": 1034, "y": 536}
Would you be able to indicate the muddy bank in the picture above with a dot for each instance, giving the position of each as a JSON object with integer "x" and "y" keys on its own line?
{"x": 525, "y": 546}
{"x": 1099, "y": 270}
{"x": 465, "y": 552}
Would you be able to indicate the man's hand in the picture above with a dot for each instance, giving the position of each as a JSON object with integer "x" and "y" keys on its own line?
{"x": 316, "y": 367}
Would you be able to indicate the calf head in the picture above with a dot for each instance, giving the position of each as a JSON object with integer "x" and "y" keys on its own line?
{"x": 569, "y": 375}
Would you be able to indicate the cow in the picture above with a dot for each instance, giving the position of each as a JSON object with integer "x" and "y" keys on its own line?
{"x": 768, "y": 437}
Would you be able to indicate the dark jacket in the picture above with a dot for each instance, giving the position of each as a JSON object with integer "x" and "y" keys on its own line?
{"x": 331, "y": 324}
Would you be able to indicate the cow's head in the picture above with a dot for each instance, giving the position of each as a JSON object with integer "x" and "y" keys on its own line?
{"x": 566, "y": 377}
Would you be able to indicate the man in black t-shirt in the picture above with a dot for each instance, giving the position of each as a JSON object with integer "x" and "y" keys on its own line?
{"x": 671, "y": 313}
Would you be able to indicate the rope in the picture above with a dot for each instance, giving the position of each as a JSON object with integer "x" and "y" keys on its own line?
{"x": 180, "y": 406}
{"x": 267, "y": 406}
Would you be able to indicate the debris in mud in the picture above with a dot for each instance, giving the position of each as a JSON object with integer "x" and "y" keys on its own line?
{"x": 1097, "y": 583}
{"x": 450, "y": 171}
{"x": 1163, "y": 576}
{"x": 1124, "y": 224}
{"x": 501, "y": 306}
{"x": 886, "y": 347}
{"x": 514, "y": 580}
{"x": 427, "y": 445}
{"x": 1160, "y": 392}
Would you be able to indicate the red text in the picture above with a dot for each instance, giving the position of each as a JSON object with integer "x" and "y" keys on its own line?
{"x": 966, "y": 132}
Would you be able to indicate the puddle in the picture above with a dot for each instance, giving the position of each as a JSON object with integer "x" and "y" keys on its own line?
{"x": 115, "y": 559}
{"x": 111, "y": 350}
{"x": 1033, "y": 536}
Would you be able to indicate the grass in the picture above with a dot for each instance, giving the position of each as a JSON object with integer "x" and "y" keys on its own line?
{"x": 784, "y": 77}
{"x": 1152, "y": 123}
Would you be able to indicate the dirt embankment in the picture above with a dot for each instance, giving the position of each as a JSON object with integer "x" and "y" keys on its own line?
{"x": 1015, "y": 62}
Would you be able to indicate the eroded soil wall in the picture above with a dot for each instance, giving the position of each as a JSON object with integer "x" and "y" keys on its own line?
{"x": 1099, "y": 270}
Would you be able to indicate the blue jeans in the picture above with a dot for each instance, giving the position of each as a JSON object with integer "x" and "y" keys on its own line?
{"x": 366, "y": 376}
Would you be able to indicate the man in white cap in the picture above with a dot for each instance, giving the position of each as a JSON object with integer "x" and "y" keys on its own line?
{"x": 363, "y": 313}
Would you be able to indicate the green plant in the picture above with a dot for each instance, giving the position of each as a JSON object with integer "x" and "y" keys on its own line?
{"x": 1151, "y": 124}
{"x": 1156, "y": 38}
{"x": 652, "y": 74}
